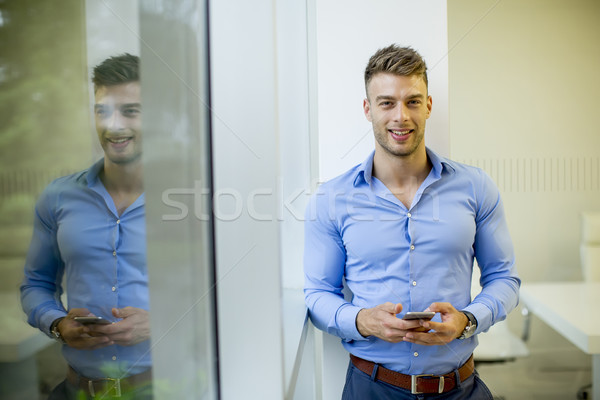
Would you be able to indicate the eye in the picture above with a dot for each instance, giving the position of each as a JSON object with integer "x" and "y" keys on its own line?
{"x": 131, "y": 112}
{"x": 414, "y": 102}
{"x": 386, "y": 104}
{"x": 101, "y": 112}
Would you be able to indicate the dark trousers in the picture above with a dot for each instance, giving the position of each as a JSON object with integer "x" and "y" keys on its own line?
{"x": 360, "y": 386}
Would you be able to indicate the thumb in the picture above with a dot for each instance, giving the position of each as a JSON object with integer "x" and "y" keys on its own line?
{"x": 397, "y": 308}
{"x": 392, "y": 308}
{"x": 440, "y": 307}
{"x": 119, "y": 312}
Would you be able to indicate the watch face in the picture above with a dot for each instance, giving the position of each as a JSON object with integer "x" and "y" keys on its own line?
{"x": 470, "y": 328}
{"x": 57, "y": 335}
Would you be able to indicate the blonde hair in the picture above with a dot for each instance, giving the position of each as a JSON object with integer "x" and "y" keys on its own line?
{"x": 403, "y": 61}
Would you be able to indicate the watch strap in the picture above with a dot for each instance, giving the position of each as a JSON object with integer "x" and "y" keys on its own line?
{"x": 55, "y": 332}
{"x": 471, "y": 326}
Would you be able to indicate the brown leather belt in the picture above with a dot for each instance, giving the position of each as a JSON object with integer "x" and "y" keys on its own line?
{"x": 110, "y": 387}
{"x": 423, "y": 383}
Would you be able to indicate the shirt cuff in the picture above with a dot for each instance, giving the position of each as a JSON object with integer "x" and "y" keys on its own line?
{"x": 482, "y": 315}
{"x": 347, "y": 323}
{"x": 48, "y": 319}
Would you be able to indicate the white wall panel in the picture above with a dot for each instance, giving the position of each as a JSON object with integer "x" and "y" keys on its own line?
{"x": 348, "y": 34}
{"x": 245, "y": 147}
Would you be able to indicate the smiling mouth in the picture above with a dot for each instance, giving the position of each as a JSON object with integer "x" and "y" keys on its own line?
{"x": 118, "y": 140}
{"x": 400, "y": 132}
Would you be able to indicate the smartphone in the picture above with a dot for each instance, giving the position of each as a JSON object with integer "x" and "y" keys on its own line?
{"x": 427, "y": 315}
{"x": 92, "y": 320}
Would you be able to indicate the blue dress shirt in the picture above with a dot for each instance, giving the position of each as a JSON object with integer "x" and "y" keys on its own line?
{"x": 78, "y": 233}
{"x": 357, "y": 231}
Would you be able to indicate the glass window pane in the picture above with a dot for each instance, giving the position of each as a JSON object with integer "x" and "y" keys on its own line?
{"x": 178, "y": 192}
{"x": 48, "y": 129}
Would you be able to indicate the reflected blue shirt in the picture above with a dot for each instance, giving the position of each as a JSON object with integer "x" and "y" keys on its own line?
{"x": 78, "y": 233}
{"x": 357, "y": 231}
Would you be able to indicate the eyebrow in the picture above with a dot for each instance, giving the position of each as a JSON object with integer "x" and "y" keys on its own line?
{"x": 126, "y": 105}
{"x": 411, "y": 97}
{"x": 131, "y": 105}
{"x": 384, "y": 97}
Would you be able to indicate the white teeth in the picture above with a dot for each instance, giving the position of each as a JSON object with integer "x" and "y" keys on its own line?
{"x": 400, "y": 133}
{"x": 118, "y": 140}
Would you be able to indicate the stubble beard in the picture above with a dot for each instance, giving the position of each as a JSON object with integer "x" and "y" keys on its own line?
{"x": 388, "y": 144}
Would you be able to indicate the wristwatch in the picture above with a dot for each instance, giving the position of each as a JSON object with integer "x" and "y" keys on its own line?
{"x": 55, "y": 332}
{"x": 471, "y": 326}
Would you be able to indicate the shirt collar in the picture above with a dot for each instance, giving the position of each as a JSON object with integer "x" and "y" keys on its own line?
{"x": 365, "y": 170}
{"x": 94, "y": 183}
{"x": 93, "y": 172}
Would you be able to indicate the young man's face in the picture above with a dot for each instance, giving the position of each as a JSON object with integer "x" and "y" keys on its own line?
{"x": 398, "y": 107}
{"x": 118, "y": 115}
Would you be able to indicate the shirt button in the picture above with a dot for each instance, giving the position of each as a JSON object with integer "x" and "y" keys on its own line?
{"x": 114, "y": 358}
{"x": 414, "y": 283}
{"x": 118, "y": 221}
{"x": 412, "y": 246}
{"x": 114, "y": 253}
{"x": 409, "y": 215}
{"x": 114, "y": 289}
{"x": 416, "y": 354}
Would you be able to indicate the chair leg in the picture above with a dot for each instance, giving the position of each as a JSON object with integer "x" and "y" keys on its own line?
{"x": 526, "y": 324}
{"x": 584, "y": 392}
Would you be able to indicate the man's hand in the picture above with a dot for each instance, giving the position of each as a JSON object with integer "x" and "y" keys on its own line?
{"x": 77, "y": 335}
{"x": 452, "y": 325}
{"x": 381, "y": 321}
{"x": 133, "y": 328}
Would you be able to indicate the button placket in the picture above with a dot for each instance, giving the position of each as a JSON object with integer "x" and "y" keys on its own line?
{"x": 114, "y": 287}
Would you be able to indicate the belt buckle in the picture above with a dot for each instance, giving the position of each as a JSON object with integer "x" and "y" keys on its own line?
{"x": 113, "y": 384}
{"x": 413, "y": 382}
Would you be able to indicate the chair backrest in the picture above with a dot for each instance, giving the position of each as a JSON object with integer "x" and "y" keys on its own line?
{"x": 590, "y": 246}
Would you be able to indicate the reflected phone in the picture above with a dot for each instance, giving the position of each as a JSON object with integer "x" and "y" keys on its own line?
{"x": 427, "y": 315}
{"x": 92, "y": 320}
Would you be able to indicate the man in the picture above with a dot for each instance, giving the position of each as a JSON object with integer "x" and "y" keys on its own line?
{"x": 90, "y": 227}
{"x": 402, "y": 229}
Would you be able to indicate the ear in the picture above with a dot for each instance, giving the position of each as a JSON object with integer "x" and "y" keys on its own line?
{"x": 429, "y": 104}
{"x": 367, "y": 109}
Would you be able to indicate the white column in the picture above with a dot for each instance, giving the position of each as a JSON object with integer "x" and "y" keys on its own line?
{"x": 246, "y": 166}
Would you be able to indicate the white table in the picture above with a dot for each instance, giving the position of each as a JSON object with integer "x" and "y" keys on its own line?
{"x": 571, "y": 309}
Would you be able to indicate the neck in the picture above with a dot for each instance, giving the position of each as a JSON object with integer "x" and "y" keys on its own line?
{"x": 122, "y": 178}
{"x": 401, "y": 171}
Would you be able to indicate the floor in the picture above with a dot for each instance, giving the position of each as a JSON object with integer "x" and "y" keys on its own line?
{"x": 559, "y": 374}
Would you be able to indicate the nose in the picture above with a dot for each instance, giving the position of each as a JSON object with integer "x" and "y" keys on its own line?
{"x": 115, "y": 122}
{"x": 401, "y": 112}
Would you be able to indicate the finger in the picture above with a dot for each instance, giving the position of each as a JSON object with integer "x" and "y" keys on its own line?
{"x": 441, "y": 307}
{"x": 97, "y": 329}
{"x": 88, "y": 342}
{"x": 110, "y": 329}
{"x": 426, "y": 338}
{"x": 118, "y": 312}
{"x": 410, "y": 324}
{"x": 79, "y": 312}
{"x": 440, "y": 327}
{"x": 420, "y": 329}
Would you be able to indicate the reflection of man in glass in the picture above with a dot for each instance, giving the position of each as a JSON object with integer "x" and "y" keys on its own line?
{"x": 89, "y": 227}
